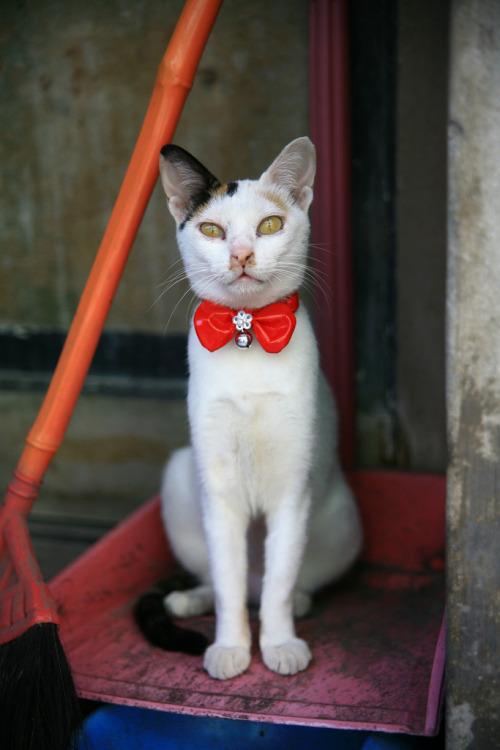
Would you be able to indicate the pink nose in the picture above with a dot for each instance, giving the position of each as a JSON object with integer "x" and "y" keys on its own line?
{"x": 241, "y": 254}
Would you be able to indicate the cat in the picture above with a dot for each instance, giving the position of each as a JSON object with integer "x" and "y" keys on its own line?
{"x": 257, "y": 507}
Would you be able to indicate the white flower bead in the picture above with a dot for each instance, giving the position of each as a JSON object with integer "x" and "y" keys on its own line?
{"x": 242, "y": 320}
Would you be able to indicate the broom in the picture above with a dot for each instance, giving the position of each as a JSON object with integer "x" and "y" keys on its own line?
{"x": 38, "y": 702}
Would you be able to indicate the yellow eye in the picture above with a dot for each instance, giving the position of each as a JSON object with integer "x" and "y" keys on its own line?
{"x": 271, "y": 225}
{"x": 211, "y": 230}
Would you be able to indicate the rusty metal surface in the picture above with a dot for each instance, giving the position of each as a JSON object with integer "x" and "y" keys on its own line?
{"x": 374, "y": 640}
{"x": 373, "y": 657}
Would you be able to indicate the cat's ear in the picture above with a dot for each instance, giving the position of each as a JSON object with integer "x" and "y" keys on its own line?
{"x": 186, "y": 182}
{"x": 294, "y": 169}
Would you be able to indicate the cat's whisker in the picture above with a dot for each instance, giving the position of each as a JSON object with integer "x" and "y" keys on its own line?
{"x": 167, "y": 273}
{"x": 325, "y": 247}
{"x": 174, "y": 279}
{"x": 178, "y": 277}
{"x": 205, "y": 284}
{"x": 188, "y": 291}
{"x": 318, "y": 275}
{"x": 314, "y": 280}
{"x": 169, "y": 286}
{"x": 190, "y": 310}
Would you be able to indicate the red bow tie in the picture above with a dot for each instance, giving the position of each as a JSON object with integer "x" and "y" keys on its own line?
{"x": 273, "y": 325}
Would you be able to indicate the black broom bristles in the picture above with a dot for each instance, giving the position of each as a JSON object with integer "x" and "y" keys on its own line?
{"x": 39, "y": 707}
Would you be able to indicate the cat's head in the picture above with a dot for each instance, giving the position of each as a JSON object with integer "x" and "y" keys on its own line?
{"x": 244, "y": 243}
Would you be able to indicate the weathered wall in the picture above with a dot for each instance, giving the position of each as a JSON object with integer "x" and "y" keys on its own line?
{"x": 474, "y": 378}
{"x": 75, "y": 82}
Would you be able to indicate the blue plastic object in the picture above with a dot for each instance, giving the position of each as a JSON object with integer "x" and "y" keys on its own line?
{"x": 115, "y": 727}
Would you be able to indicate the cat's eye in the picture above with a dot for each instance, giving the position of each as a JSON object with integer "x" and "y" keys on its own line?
{"x": 271, "y": 225}
{"x": 211, "y": 230}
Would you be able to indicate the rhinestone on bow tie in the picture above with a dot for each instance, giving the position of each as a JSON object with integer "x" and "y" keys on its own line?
{"x": 243, "y": 321}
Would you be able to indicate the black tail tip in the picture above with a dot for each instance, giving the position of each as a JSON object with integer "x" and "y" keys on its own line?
{"x": 161, "y": 631}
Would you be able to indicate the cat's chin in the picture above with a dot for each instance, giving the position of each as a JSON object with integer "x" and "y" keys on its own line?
{"x": 245, "y": 291}
{"x": 245, "y": 283}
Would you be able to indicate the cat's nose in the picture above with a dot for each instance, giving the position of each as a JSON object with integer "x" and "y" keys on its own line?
{"x": 241, "y": 254}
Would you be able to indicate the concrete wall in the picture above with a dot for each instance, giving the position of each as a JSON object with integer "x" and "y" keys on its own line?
{"x": 75, "y": 81}
{"x": 474, "y": 378}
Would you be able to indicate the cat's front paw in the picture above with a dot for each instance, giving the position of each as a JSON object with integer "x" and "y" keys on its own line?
{"x": 222, "y": 662}
{"x": 288, "y": 658}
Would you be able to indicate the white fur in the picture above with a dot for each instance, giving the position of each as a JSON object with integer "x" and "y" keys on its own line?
{"x": 262, "y": 470}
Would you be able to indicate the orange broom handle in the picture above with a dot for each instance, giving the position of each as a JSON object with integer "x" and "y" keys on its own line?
{"x": 173, "y": 81}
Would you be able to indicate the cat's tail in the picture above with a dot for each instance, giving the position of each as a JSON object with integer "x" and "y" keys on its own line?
{"x": 157, "y": 625}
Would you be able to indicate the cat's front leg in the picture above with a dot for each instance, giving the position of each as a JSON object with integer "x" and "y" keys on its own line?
{"x": 282, "y": 651}
{"x": 226, "y": 529}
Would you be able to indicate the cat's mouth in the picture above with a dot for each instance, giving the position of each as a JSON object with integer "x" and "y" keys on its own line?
{"x": 246, "y": 278}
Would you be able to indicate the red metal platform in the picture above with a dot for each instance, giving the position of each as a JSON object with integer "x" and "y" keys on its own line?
{"x": 377, "y": 638}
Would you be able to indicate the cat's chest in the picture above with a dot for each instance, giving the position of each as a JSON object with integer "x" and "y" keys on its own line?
{"x": 234, "y": 374}
{"x": 252, "y": 414}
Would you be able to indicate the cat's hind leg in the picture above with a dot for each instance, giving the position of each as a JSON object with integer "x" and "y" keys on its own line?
{"x": 334, "y": 541}
{"x": 181, "y": 514}
{"x": 190, "y": 603}
{"x": 302, "y": 602}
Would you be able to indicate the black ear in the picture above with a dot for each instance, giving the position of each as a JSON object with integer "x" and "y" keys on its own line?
{"x": 186, "y": 182}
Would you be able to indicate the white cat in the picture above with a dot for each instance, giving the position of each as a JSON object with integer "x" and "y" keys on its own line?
{"x": 257, "y": 507}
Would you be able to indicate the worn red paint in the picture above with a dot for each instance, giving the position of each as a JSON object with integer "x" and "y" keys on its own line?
{"x": 377, "y": 638}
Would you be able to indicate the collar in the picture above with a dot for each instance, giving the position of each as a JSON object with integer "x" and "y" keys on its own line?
{"x": 272, "y": 325}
